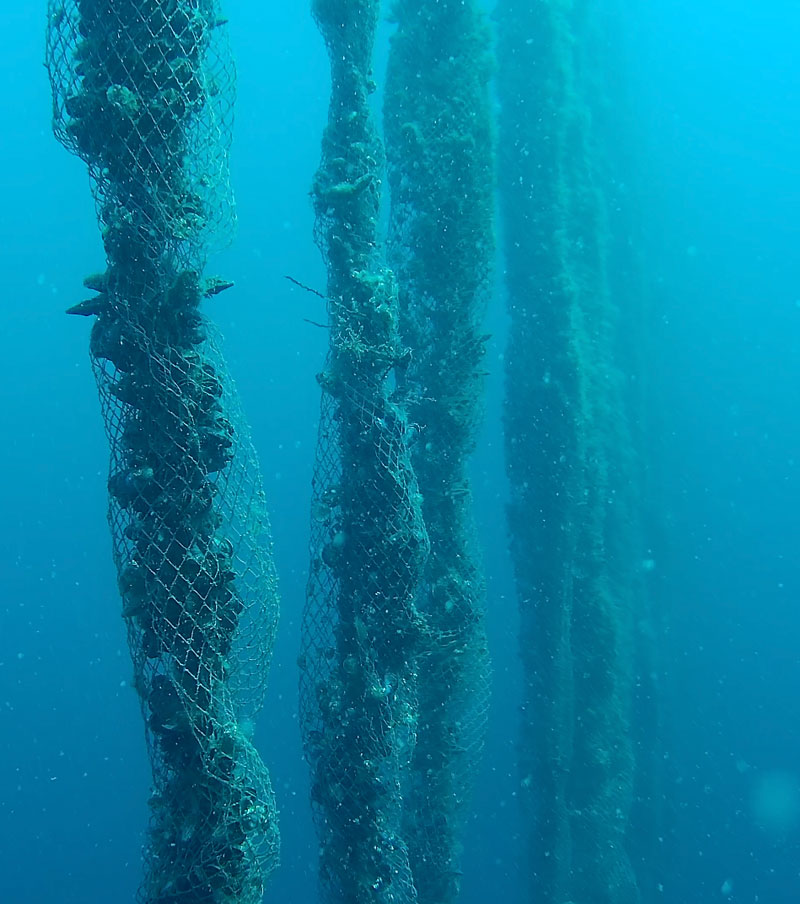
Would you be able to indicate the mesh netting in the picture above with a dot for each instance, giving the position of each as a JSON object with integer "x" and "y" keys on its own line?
{"x": 192, "y": 547}
{"x": 361, "y": 629}
{"x": 143, "y": 93}
{"x": 439, "y": 150}
{"x": 358, "y": 688}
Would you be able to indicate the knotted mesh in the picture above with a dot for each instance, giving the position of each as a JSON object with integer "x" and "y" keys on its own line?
{"x": 358, "y": 684}
{"x": 361, "y": 628}
{"x": 439, "y": 152}
{"x": 142, "y": 91}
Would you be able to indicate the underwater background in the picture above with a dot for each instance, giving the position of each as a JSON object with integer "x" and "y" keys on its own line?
{"x": 714, "y": 94}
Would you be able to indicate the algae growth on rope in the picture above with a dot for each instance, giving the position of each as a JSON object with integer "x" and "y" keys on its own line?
{"x": 572, "y": 514}
{"x": 437, "y": 123}
{"x": 142, "y": 91}
{"x": 362, "y": 628}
